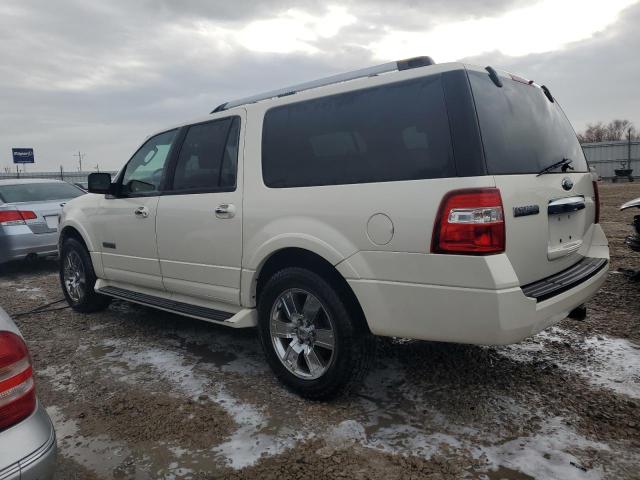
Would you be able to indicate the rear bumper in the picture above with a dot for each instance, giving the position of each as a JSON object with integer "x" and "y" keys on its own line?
{"x": 475, "y": 300}
{"x": 465, "y": 315}
{"x": 28, "y": 450}
{"x": 19, "y": 243}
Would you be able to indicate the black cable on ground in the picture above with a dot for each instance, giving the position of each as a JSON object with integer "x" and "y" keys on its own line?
{"x": 42, "y": 309}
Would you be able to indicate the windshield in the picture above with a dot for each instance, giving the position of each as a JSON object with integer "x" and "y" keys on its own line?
{"x": 522, "y": 131}
{"x": 38, "y": 192}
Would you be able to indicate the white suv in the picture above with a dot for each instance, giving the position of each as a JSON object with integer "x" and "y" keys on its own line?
{"x": 436, "y": 202}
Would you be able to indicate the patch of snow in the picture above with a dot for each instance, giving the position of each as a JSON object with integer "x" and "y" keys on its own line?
{"x": 61, "y": 378}
{"x": 406, "y": 439}
{"x": 607, "y": 362}
{"x": 616, "y": 365}
{"x": 247, "y": 444}
{"x": 546, "y": 454}
{"x": 35, "y": 292}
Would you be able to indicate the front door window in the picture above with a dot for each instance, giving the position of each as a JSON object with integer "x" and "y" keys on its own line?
{"x": 144, "y": 171}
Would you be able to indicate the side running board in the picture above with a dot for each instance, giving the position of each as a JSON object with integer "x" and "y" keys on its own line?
{"x": 171, "y": 305}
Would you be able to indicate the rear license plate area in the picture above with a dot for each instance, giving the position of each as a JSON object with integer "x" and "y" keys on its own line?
{"x": 565, "y": 233}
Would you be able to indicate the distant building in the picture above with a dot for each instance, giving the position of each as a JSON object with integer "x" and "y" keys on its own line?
{"x": 605, "y": 157}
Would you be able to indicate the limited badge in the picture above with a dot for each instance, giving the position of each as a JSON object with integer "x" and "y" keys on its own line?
{"x": 526, "y": 210}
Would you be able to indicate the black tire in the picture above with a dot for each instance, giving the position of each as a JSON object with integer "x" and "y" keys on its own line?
{"x": 89, "y": 301}
{"x": 353, "y": 343}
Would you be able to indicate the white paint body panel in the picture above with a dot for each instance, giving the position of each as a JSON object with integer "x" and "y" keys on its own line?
{"x": 135, "y": 258}
{"x": 200, "y": 254}
{"x": 403, "y": 289}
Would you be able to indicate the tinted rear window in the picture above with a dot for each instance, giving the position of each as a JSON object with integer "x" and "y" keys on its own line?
{"x": 382, "y": 134}
{"x": 38, "y": 192}
{"x": 522, "y": 131}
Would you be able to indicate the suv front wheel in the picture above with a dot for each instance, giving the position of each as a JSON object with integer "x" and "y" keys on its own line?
{"x": 311, "y": 341}
{"x": 78, "y": 278}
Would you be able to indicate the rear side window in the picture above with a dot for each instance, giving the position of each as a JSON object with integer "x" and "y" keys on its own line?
{"x": 38, "y": 192}
{"x": 382, "y": 134}
{"x": 522, "y": 131}
{"x": 208, "y": 156}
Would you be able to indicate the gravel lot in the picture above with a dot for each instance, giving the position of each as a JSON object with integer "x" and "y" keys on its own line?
{"x": 137, "y": 393}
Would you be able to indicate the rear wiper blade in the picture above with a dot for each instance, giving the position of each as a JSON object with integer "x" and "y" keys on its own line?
{"x": 565, "y": 163}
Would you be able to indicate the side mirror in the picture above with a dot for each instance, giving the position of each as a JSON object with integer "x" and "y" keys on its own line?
{"x": 99, "y": 183}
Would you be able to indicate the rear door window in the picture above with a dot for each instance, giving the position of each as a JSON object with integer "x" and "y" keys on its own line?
{"x": 38, "y": 192}
{"x": 522, "y": 131}
{"x": 394, "y": 132}
{"x": 208, "y": 157}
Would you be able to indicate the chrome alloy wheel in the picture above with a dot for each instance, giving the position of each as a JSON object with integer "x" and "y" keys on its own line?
{"x": 74, "y": 276}
{"x": 302, "y": 333}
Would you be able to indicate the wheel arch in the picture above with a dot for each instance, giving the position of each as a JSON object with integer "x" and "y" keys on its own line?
{"x": 71, "y": 231}
{"x": 300, "y": 257}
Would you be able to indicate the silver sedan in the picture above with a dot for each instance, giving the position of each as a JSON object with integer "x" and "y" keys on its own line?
{"x": 29, "y": 213}
{"x": 27, "y": 437}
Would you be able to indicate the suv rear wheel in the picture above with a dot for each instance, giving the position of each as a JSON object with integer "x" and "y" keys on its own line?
{"x": 312, "y": 343}
{"x": 78, "y": 278}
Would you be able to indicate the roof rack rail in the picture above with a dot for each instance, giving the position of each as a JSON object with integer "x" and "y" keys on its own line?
{"x": 341, "y": 77}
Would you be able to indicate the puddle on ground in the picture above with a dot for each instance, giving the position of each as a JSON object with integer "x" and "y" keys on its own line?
{"x": 504, "y": 473}
{"x": 218, "y": 358}
{"x": 99, "y": 351}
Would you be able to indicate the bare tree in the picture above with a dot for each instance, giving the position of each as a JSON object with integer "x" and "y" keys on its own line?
{"x": 601, "y": 132}
{"x": 595, "y": 132}
{"x": 617, "y": 129}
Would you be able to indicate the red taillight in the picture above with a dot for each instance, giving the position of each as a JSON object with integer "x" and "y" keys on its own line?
{"x": 596, "y": 201}
{"x": 17, "y": 390}
{"x": 470, "y": 222}
{"x": 16, "y": 217}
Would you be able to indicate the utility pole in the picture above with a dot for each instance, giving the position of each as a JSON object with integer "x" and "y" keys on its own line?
{"x": 80, "y": 157}
{"x": 629, "y": 149}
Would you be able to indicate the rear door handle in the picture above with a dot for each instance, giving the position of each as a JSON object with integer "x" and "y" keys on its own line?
{"x": 142, "y": 212}
{"x": 225, "y": 210}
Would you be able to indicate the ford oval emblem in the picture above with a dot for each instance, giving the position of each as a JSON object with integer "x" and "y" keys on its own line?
{"x": 567, "y": 183}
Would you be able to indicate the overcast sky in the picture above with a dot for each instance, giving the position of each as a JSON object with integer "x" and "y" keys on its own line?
{"x": 99, "y": 76}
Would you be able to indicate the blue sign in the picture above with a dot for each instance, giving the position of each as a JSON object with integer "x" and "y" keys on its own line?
{"x": 23, "y": 155}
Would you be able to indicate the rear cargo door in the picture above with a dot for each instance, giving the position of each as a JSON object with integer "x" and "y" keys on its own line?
{"x": 547, "y": 215}
{"x": 543, "y": 243}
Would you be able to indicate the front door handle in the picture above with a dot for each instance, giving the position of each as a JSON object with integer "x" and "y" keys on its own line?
{"x": 225, "y": 210}
{"x": 142, "y": 212}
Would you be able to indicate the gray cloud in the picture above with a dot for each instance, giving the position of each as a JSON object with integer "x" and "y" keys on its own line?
{"x": 593, "y": 80}
{"x": 101, "y": 76}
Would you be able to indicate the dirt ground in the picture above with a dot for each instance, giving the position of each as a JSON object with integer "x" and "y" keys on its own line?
{"x": 141, "y": 394}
